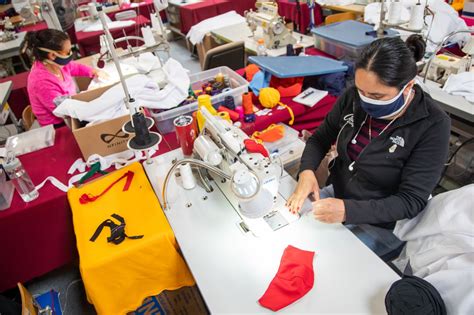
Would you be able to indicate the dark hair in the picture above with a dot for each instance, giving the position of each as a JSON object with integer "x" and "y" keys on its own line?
{"x": 49, "y": 38}
{"x": 392, "y": 60}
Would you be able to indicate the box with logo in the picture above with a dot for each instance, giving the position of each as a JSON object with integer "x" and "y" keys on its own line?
{"x": 103, "y": 138}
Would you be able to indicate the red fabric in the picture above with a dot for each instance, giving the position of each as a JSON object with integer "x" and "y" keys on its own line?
{"x": 295, "y": 278}
{"x": 253, "y": 147}
{"x": 38, "y": 237}
{"x": 89, "y": 41}
{"x": 288, "y": 86}
{"x": 34, "y": 27}
{"x": 194, "y": 13}
{"x": 287, "y": 9}
{"x": 18, "y": 99}
{"x": 86, "y": 198}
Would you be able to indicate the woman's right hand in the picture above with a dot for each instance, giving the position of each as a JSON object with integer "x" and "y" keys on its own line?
{"x": 307, "y": 184}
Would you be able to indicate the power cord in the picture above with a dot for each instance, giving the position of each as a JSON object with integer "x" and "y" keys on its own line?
{"x": 67, "y": 291}
{"x": 453, "y": 155}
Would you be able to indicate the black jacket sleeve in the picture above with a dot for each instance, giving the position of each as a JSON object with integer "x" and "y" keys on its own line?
{"x": 321, "y": 140}
{"x": 418, "y": 179}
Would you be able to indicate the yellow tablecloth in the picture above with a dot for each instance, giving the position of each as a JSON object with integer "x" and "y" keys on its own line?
{"x": 117, "y": 278}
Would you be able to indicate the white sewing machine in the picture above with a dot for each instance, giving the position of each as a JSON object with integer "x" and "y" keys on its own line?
{"x": 275, "y": 33}
{"x": 444, "y": 65}
{"x": 248, "y": 181}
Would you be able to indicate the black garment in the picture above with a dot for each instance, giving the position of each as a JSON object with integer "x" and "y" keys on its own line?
{"x": 414, "y": 296}
{"x": 383, "y": 186}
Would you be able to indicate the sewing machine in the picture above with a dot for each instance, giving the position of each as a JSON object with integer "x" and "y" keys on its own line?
{"x": 275, "y": 33}
{"x": 248, "y": 181}
{"x": 442, "y": 66}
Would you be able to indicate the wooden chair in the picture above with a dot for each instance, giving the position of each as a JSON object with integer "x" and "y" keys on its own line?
{"x": 339, "y": 17}
{"x": 28, "y": 305}
{"x": 231, "y": 55}
{"x": 28, "y": 118}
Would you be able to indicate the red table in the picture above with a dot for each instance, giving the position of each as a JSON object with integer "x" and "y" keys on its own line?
{"x": 194, "y": 13}
{"x": 89, "y": 41}
{"x": 38, "y": 237}
{"x": 18, "y": 99}
{"x": 34, "y": 27}
{"x": 287, "y": 9}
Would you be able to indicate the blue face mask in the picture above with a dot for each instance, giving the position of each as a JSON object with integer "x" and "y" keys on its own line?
{"x": 60, "y": 59}
{"x": 384, "y": 109}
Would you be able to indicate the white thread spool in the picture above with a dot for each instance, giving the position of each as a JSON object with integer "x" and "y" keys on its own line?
{"x": 187, "y": 176}
{"x": 394, "y": 12}
{"x": 155, "y": 24}
{"x": 417, "y": 17}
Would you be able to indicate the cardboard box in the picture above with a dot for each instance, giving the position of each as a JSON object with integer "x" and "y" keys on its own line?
{"x": 186, "y": 300}
{"x": 104, "y": 138}
{"x": 208, "y": 43}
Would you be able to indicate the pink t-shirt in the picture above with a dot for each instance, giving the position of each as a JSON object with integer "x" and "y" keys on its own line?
{"x": 44, "y": 87}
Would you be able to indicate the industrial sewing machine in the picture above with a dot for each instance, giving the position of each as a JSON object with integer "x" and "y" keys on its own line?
{"x": 275, "y": 33}
{"x": 249, "y": 182}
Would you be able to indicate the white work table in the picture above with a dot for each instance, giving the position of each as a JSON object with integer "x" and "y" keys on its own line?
{"x": 242, "y": 32}
{"x": 12, "y": 47}
{"x": 5, "y": 90}
{"x": 456, "y": 105}
{"x": 233, "y": 269}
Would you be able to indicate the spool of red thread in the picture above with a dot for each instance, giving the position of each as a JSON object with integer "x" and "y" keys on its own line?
{"x": 234, "y": 116}
{"x": 247, "y": 103}
{"x": 186, "y": 132}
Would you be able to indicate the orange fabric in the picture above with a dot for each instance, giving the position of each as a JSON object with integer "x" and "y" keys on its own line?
{"x": 287, "y": 87}
{"x": 271, "y": 134}
{"x": 250, "y": 71}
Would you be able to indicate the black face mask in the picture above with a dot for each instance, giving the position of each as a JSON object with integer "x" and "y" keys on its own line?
{"x": 59, "y": 60}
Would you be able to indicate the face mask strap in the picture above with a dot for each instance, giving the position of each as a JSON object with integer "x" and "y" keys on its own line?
{"x": 55, "y": 53}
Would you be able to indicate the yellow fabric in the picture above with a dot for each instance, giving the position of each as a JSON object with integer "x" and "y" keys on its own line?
{"x": 270, "y": 97}
{"x": 118, "y": 278}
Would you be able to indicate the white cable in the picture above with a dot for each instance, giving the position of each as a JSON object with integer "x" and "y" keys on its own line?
{"x": 67, "y": 290}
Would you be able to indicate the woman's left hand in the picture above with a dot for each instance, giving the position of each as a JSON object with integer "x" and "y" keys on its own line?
{"x": 329, "y": 210}
{"x": 98, "y": 74}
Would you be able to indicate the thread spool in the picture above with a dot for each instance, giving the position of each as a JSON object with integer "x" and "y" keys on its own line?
{"x": 394, "y": 12}
{"x": 229, "y": 102}
{"x": 240, "y": 110}
{"x": 224, "y": 115}
{"x": 187, "y": 176}
{"x": 220, "y": 78}
{"x": 247, "y": 103}
{"x": 417, "y": 17}
{"x": 234, "y": 116}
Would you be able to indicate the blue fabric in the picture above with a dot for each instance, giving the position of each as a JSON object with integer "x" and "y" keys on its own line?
{"x": 260, "y": 80}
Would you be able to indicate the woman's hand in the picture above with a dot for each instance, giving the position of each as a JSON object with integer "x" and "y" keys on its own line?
{"x": 98, "y": 74}
{"x": 329, "y": 210}
{"x": 307, "y": 183}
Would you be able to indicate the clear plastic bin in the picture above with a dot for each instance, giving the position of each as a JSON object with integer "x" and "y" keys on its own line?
{"x": 164, "y": 119}
{"x": 32, "y": 140}
{"x": 291, "y": 135}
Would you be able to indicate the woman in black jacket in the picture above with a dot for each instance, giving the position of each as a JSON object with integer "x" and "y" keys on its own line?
{"x": 391, "y": 139}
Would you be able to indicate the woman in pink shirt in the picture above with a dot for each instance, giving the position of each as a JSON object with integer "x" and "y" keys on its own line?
{"x": 52, "y": 71}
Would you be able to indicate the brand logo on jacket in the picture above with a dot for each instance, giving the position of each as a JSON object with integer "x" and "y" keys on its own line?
{"x": 398, "y": 141}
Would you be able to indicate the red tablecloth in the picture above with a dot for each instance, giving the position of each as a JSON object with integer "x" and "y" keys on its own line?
{"x": 144, "y": 8}
{"x": 89, "y": 43}
{"x": 18, "y": 99}
{"x": 34, "y": 27}
{"x": 38, "y": 237}
{"x": 240, "y": 6}
{"x": 194, "y": 13}
{"x": 287, "y": 9}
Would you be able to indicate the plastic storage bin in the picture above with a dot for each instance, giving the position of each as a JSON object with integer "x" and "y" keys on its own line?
{"x": 345, "y": 40}
{"x": 164, "y": 119}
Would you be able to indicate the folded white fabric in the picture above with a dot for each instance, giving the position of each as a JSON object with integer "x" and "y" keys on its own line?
{"x": 198, "y": 31}
{"x": 335, "y": 2}
{"x": 143, "y": 89}
{"x": 114, "y": 24}
{"x": 440, "y": 247}
{"x": 461, "y": 84}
